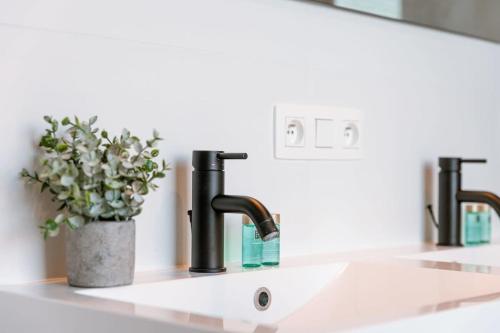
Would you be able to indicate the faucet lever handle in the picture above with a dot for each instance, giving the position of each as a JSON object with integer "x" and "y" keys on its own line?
{"x": 232, "y": 156}
{"x": 473, "y": 160}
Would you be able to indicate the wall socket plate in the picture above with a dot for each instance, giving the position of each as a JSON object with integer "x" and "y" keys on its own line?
{"x": 305, "y": 132}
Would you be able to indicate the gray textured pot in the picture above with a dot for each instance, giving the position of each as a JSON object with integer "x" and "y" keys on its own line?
{"x": 101, "y": 254}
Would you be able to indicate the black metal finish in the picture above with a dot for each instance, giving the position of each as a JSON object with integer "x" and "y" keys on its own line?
{"x": 449, "y": 208}
{"x": 488, "y": 198}
{"x": 451, "y": 196}
{"x": 209, "y": 206}
{"x": 251, "y": 207}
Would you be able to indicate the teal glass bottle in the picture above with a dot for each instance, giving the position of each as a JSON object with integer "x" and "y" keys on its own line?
{"x": 271, "y": 249}
{"x": 472, "y": 226}
{"x": 484, "y": 215}
{"x": 251, "y": 249}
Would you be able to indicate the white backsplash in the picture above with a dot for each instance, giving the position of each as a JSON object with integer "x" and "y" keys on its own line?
{"x": 206, "y": 74}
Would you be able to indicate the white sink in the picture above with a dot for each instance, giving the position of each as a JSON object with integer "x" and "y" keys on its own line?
{"x": 231, "y": 296}
{"x": 330, "y": 297}
{"x": 485, "y": 255}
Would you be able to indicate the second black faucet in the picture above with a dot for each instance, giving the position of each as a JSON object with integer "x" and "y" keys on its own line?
{"x": 451, "y": 196}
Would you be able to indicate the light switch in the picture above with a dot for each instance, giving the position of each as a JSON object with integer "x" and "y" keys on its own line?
{"x": 324, "y": 133}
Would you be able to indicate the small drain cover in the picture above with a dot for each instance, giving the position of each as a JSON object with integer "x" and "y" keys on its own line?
{"x": 262, "y": 299}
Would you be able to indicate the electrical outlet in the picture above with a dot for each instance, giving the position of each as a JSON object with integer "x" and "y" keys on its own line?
{"x": 350, "y": 130}
{"x": 294, "y": 132}
{"x": 317, "y": 132}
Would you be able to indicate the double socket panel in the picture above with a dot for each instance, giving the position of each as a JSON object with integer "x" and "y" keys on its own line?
{"x": 304, "y": 132}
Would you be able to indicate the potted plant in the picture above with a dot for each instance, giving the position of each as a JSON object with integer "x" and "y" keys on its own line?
{"x": 99, "y": 182}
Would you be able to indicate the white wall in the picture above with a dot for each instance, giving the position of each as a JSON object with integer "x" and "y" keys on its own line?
{"x": 206, "y": 74}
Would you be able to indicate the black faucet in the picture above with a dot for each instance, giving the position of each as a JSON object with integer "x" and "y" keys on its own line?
{"x": 209, "y": 205}
{"x": 451, "y": 196}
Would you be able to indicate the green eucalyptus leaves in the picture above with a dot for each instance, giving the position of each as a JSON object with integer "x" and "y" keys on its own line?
{"x": 93, "y": 176}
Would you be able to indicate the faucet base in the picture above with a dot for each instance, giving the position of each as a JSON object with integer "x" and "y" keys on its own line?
{"x": 450, "y": 244}
{"x": 207, "y": 270}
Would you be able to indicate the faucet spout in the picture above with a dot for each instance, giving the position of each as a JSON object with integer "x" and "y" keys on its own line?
{"x": 257, "y": 212}
{"x": 480, "y": 196}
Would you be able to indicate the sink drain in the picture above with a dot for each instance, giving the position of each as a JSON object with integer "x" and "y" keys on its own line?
{"x": 262, "y": 299}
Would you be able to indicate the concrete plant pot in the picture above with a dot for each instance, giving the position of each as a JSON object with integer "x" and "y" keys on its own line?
{"x": 101, "y": 254}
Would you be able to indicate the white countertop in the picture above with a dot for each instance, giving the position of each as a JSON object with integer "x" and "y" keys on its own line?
{"x": 373, "y": 290}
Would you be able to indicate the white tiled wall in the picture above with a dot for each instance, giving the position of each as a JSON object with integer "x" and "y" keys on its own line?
{"x": 206, "y": 74}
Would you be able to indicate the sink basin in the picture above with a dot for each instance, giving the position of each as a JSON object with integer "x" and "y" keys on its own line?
{"x": 317, "y": 298}
{"x": 485, "y": 255}
{"x": 232, "y": 296}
